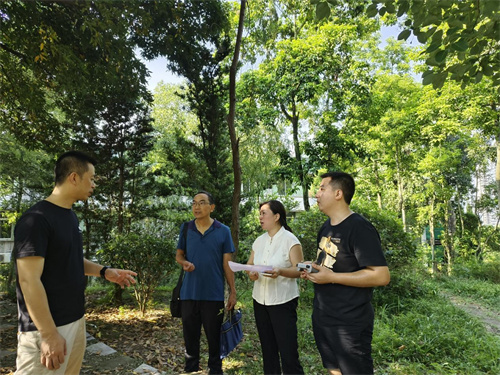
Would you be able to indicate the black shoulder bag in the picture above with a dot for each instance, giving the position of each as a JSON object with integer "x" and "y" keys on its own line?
{"x": 175, "y": 301}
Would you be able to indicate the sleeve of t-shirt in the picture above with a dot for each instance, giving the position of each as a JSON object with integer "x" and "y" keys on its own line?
{"x": 31, "y": 236}
{"x": 228, "y": 242}
{"x": 292, "y": 241}
{"x": 367, "y": 246}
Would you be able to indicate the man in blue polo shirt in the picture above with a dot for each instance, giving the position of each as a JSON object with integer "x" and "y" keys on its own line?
{"x": 204, "y": 254}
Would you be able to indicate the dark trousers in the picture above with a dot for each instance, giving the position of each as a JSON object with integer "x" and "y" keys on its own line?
{"x": 209, "y": 314}
{"x": 277, "y": 327}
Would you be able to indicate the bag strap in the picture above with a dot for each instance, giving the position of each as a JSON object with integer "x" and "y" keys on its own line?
{"x": 184, "y": 234}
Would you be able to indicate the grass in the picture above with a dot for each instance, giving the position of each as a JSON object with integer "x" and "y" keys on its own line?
{"x": 481, "y": 291}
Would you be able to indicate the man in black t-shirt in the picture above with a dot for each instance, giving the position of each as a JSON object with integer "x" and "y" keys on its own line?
{"x": 350, "y": 263}
{"x": 51, "y": 270}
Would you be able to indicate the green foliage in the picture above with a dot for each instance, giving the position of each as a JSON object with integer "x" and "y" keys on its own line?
{"x": 399, "y": 246}
{"x": 305, "y": 226}
{"x": 148, "y": 250}
{"x": 62, "y": 61}
{"x": 474, "y": 285}
{"x": 434, "y": 337}
{"x": 408, "y": 283}
{"x": 8, "y": 279}
{"x": 460, "y": 38}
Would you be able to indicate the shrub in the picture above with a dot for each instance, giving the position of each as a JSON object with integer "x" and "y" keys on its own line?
{"x": 149, "y": 250}
{"x": 407, "y": 284}
{"x": 481, "y": 270}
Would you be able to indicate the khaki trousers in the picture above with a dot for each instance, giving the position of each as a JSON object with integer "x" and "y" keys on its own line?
{"x": 28, "y": 351}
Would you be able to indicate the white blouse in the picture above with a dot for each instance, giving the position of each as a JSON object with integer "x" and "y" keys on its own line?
{"x": 274, "y": 251}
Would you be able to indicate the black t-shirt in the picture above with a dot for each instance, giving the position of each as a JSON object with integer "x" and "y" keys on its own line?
{"x": 52, "y": 232}
{"x": 349, "y": 246}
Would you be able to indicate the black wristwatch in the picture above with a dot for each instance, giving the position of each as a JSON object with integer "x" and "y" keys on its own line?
{"x": 103, "y": 272}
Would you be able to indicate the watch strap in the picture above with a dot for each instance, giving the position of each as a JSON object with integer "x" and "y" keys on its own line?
{"x": 103, "y": 271}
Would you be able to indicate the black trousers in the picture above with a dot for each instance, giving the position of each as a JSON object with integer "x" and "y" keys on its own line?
{"x": 277, "y": 327}
{"x": 209, "y": 314}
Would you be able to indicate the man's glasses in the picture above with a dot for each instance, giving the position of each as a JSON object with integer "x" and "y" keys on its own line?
{"x": 199, "y": 204}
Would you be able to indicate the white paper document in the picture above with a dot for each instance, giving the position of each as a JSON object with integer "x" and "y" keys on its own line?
{"x": 248, "y": 267}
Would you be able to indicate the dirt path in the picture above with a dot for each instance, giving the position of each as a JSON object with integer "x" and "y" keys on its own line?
{"x": 489, "y": 317}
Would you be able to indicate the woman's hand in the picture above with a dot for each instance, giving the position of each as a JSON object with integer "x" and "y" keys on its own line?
{"x": 252, "y": 275}
{"x": 274, "y": 273}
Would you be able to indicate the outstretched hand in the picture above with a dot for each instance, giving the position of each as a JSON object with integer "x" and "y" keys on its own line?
{"x": 121, "y": 277}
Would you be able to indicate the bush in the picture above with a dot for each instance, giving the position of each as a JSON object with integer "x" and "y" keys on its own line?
{"x": 305, "y": 226}
{"x": 399, "y": 246}
{"x": 149, "y": 250}
{"x": 407, "y": 284}
{"x": 481, "y": 270}
{"x": 8, "y": 279}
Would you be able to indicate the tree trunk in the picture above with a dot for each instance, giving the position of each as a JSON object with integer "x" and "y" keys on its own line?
{"x": 400, "y": 191}
{"x": 378, "y": 185}
{"x": 235, "y": 205}
{"x": 294, "y": 119}
{"x": 432, "y": 238}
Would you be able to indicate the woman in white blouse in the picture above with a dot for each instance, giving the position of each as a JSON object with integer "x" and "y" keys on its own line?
{"x": 275, "y": 293}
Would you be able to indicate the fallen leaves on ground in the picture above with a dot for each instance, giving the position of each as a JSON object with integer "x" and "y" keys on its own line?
{"x": 154, "y": 337}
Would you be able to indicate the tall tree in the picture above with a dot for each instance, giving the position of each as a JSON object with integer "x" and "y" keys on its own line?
{"x": 235, "y": 147}
{"x": 197, "y": 53}
{"x": 59, "y": 61}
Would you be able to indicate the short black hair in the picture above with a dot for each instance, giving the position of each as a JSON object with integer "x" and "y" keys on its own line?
{"x": 343, "y": 181}
{"x": 210, "y": 197}
{"x": 72, "y": 161}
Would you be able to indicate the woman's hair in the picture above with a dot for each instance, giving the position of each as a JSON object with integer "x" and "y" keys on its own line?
{"x": 278, "y": 208}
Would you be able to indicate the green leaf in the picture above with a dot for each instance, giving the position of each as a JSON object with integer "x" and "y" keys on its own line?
{"x": 460, "y": 45}
{"x": 421, "y": 37}
{"x": 391, "y": 9}
{"x": 372, "y": 10}
{"x": 488, "y": 70}
{"x": 478, "y": 77}
{"x": 403, "y": 8}
{"x": 322, "y": 11}
{"x": 403, "y": 35}
{"x": 441, "y": 56}
{"x": 433, "y": 47}
{"x": 426, "y": 73}
{"x": 427, "y": 79}
{"x": 439, "y": 79}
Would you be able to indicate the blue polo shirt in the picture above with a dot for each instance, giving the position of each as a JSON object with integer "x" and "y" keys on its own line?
{"x": 206, "y": 252}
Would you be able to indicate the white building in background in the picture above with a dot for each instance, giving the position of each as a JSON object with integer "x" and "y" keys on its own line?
{"x": 481, "y": 183}
{"x": 6, "y": 240}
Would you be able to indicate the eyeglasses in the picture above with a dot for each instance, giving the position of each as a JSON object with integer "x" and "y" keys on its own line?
{"x": 199, "y": 204}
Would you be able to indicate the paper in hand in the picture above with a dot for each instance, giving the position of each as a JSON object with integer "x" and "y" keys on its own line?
{"x": 248, "y": 267}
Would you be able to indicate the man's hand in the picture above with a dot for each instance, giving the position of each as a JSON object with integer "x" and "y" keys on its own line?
{"x": 188, "y": 266}
{"x": 52, "y": 351}
{"x": 323, "y": 276}
{"x": 121, "y": 277}
{"x": 231, "y": 302}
